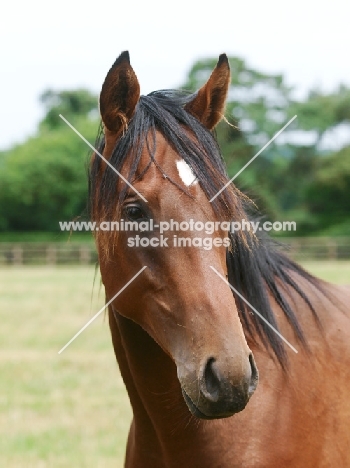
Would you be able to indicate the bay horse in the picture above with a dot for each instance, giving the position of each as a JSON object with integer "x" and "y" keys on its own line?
{"x": 188, "y": 347}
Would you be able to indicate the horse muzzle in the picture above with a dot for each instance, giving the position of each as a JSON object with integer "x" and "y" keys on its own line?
{"x": 212, "y": 395}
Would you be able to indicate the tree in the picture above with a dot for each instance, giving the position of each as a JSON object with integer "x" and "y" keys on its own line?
{"x": 322, "y": 112}
{"x": 44, "y": 180}
{"x": 72, "y": 104}
{"x": 328, "y": 194}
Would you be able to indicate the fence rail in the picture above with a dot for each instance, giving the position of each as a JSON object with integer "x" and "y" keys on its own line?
{"x": 317, "y": 248}
{"x": 47, "y": 254}
{"x": 310, "y": 248}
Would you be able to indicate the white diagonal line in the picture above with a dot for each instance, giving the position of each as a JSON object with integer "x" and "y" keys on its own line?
{"x": 101, "y": 310}
{"x": 102, "y": 157}
{"x": 254, "y": 157}
{"x": 254, "y": 310}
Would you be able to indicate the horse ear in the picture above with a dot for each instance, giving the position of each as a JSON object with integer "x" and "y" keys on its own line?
{"x": 209, "y": 103}
{"x": 119, "y": 95}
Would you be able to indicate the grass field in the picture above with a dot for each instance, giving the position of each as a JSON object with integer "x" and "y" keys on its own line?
{"x": 67, "y": 410}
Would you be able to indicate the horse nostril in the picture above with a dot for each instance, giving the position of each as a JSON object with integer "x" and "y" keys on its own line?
{"x": 254, "y": 378}
{"x": 214, "y": 387}
{"x": 211, "y": 381}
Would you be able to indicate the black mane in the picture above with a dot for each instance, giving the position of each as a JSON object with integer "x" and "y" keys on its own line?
{"x": 259, "y": 269}
{"x": 256, "y": 267}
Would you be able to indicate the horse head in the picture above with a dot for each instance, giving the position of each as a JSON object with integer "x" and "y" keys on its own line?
{"x": 162, "y": 144}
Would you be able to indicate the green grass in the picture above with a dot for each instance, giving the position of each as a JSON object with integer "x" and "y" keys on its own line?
{"x": 333, "y": 271}
{"x": 68, "y": 410}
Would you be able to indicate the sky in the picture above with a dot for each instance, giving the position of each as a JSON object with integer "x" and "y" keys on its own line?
{"x": 70, "y": 44}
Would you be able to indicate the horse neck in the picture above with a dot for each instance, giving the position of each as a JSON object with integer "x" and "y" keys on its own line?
{"x": 154, "y": 391}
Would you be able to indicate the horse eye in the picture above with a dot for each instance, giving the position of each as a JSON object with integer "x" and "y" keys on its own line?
{"x": 134, "y": 213}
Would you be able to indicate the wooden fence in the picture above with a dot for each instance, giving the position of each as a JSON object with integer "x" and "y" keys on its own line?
{"x": 317, "y": 248}
{"x": 47, "y": 253}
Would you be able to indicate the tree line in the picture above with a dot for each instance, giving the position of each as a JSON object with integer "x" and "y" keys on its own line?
{"x": 304, "y": 175}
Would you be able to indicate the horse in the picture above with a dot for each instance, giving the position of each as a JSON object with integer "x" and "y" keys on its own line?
{"x": 210, "y": 382}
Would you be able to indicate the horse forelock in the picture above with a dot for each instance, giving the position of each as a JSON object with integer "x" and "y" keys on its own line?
{"x": 163, "y": 111}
